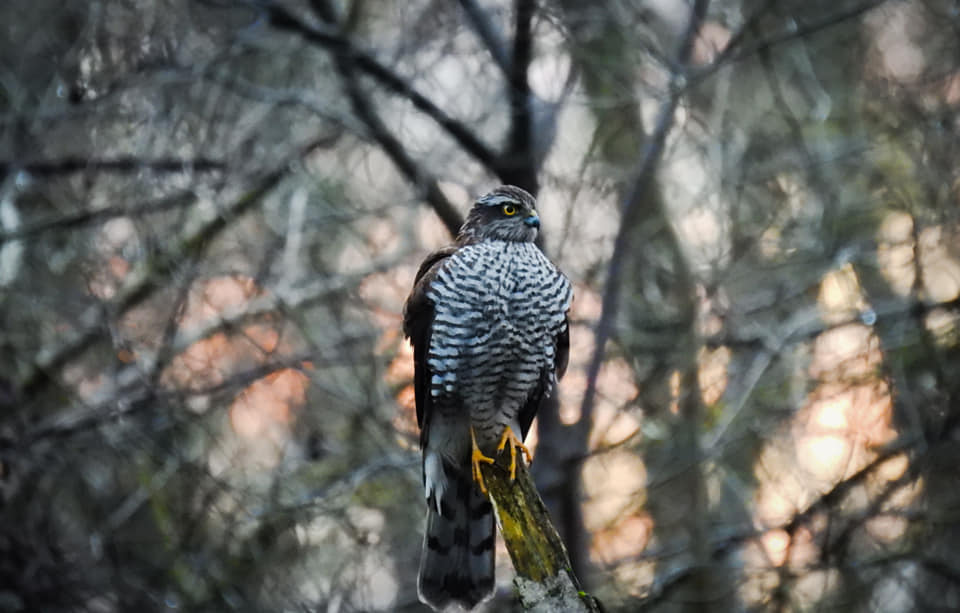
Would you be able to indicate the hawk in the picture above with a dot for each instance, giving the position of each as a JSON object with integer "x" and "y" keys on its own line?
{"x": 487, "y": 318}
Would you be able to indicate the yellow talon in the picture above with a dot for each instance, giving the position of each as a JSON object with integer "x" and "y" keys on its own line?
{"x": 515, "y": 442}
{"x": 475, "y": 460}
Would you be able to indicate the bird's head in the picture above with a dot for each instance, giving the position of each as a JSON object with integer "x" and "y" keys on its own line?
{"x": 508, "y": 213}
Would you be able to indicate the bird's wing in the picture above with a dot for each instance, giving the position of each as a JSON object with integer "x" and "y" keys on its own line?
{"x": 548, "y": 379}
{"x": 563, "y": 349}
{"x": 418, "y": 315}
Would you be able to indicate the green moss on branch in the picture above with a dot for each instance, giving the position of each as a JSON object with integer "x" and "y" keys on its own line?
{"x": 545, "y": 580}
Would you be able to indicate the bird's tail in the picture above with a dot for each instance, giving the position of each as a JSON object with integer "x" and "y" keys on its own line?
{"x": 457, "y": 561}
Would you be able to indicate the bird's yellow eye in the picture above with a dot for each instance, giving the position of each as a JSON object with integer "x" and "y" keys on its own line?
{"x": 509, "y": 209}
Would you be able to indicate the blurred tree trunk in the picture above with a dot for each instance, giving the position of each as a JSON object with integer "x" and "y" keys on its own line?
{"x": 927, "y": 411}
{"x": 657, "y": 322}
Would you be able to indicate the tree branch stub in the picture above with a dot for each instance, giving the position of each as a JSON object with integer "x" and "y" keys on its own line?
{"x": 545, "y": 581}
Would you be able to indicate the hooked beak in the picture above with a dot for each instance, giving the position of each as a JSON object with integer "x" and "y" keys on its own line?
{"x": 533, "y": 220}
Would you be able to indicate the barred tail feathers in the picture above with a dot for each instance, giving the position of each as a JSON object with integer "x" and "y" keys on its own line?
{"x": 457, "y": 563}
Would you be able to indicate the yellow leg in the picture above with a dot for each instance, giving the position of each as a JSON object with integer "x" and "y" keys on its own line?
{"x": 509, "y": 436}
{"x": 477, "y": 457}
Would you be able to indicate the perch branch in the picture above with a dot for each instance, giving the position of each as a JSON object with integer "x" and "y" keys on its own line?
{"x": 545, "y": 580}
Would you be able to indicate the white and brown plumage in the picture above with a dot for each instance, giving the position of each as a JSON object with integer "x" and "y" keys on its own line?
{"x": 487, "y": 318}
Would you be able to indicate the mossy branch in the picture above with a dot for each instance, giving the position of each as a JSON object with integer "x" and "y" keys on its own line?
{"x": 545, "y": 580}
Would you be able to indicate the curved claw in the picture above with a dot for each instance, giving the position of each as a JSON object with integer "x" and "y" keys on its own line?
{"x": 515, "y": 443}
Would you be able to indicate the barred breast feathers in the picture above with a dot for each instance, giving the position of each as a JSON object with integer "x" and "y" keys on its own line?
{"x": 500, "y": 300}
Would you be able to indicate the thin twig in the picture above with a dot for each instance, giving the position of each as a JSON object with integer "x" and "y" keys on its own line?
{"x": 84, "y": 218}
{"x": 123, "y": 164}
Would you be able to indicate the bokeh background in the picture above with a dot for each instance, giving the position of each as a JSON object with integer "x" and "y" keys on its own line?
{"x": 211, "y": 212}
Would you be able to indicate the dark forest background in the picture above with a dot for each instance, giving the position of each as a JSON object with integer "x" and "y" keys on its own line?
{"x": 212, "y": 210}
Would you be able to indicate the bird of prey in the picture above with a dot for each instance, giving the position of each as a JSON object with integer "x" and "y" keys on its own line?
{"x": 487, "y": 318}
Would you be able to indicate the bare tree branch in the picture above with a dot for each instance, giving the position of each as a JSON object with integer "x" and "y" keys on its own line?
{"x": 390, "y": 144}
{"x": 143, "y": 282}
{"x": 737, "y": 49}
{"x": 79, "y": 219}
{"x": 344, "y": 49}
{"x": 488, "y": 33}
{"x": 545, "y": 578}
{"x": 633, "y": 207}
{"x": 69, "y": 165}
